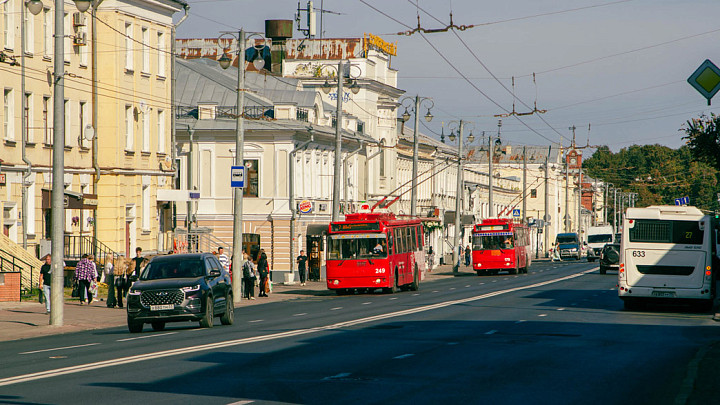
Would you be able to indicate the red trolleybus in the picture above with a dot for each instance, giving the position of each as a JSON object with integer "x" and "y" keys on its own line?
{"x": 501, "y": 244}
{"x": 375, "y": 250}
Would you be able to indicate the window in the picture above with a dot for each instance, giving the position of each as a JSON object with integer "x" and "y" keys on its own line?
{"x": 83, "y": 49}
{"x": 31, "y": 208}
{"x": 47, "y": 138}
{"x": 47, "y": 33}
{"x": 658, "y": 231}
{"x": 381, "y": 161}
{"x": 128, "y": 47}
{"x": 68, "y": 38}
{"x": 146, "y": 208}
{"x": 68, "y": 125}
{"x": 145, "y": 50}
{"x": 161, "y": 131}
{"x": 9, "y": 24}
{"x": 29, "y": 32}
{"x": 533, "y": 193}
{"x": 8, "y": 115}
{"x": 161, "y": 54}
{"x": 29, "y": 117}
{"x": 128, "y": 128}
{"x": 252, "y": 177}
{"x": 145, "y": 132}
{"x": 82, "y": 114}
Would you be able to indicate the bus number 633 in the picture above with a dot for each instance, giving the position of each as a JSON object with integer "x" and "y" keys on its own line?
{"x": 638, "y": 253}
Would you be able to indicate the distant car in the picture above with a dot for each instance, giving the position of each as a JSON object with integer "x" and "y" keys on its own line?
{"x": 610, "y": 257}
{"x": 184, "y": 287}
{"x": 570, "y": 246}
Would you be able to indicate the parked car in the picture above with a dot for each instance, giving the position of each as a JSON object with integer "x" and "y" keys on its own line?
{"x": 610, "y": 257}
{"x": 184, "y": 287}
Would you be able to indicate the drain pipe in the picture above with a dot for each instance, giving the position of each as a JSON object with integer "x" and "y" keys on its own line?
{"x": 96, "y": 165}
{"x": 173, "y": 112}
{"x": 291, "y": 186}
{"x": 23, "y": 131}
{"x": 380, "y": 145}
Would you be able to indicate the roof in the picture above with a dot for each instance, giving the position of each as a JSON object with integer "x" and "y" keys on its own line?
{"x": 408, "y": 133}
{"x": 535, "y": 154}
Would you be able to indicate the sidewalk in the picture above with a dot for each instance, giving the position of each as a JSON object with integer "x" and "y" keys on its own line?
{"x": 27, "y": 319}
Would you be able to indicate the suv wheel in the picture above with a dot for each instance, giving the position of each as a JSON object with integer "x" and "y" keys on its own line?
{"x": 134, "y": 326}
{"x": 158, "y": 325}
{"x": 207, "y": 320}
{"x": 229, "y": 316}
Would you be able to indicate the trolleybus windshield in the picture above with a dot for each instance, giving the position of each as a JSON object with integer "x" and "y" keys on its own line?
{"x": 361, "y": 246}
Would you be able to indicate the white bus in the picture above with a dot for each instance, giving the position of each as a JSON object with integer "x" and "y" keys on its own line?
{"x": 666, "y": 253}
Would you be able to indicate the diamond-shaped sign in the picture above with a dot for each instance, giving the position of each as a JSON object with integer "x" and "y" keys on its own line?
{"x": 706, "y": 79}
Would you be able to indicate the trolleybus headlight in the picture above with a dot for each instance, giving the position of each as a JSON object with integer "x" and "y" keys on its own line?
{"x": 336, "y": 282}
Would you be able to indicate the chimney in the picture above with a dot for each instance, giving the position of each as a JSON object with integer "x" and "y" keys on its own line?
{"x": 278, "y": 31}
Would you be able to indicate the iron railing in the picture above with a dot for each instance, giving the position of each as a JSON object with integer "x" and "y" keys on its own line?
{"x": 11, "y": 263}
{"x": 199, "y": 240}
{"x": 76, "y": 246}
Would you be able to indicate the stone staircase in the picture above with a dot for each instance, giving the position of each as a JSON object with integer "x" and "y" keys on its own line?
{"x": 14, "y": 258}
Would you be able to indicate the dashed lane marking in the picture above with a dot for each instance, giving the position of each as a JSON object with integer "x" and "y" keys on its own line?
{"x": 403, "y": 356}
{"x": 367, "y": 303}
{"x": 542, "y": 315}
{"x": 336, "y": 308}
{"x": 393, "y": 298}
{"x": 145, "y": 337}
{"x": 302, "y": 314}
{"x": 492, "y": 332}
{"x": 520, "y": 321}
{"x": 561, "y": 309}
{"x": 255, "y": 321}
{"x": 337, "y": 376}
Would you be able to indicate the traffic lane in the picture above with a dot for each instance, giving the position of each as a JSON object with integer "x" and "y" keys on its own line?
{"x": 463, "y": 357}
{"x": 92, "y": 346}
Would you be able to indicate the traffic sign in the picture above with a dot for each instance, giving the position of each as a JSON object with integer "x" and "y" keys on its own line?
{"x": 237, "y": 176}
{"x": 706, "y": 79}
{"x": 682, "y": 201}
{"x": 516, "y": 212}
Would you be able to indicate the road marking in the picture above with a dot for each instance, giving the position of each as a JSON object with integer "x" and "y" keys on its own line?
{"x": 302, "y": 314}
{"x": 467, "y": 286}
{"x": 403, "y": 356}
{"x": 255, "y": 321}
{"x": 336, "y": 308}
{"x": 145, "y": 337}
{"x": 561, "y": 309}
{"x": 436, "y": 291}
{"x": 574, "y": 304}
{"x": 184, "y": 351}
{"x": 367, "y": 303}
{"x": 494, "y": 281}
{"x": 492, "y": 332}
{"x": 481, "y": 283}
{"x": 521, "y": 321}
{"x": 60, "y": 348}
{"x": 415, "y": 295}
{"x": 241, "y": 403}
{"x": 452, "y": 288}
{"x": 337, "y": 376}
{"x": 542, "y": 315}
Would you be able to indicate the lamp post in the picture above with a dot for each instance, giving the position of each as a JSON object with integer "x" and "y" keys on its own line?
{"x": 406, "y": 116}
{"x": 337, "y": 174}
{"x": 491, "y": 156}
{"x": 459, "y": 190}
{"x": 225, "y": 62}
{"x": 57, "y": 208}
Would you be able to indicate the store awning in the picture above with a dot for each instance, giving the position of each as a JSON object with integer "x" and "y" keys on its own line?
{"x": 317, "y": 229}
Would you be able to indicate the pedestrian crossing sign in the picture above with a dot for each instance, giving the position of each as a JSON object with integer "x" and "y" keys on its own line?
{"x": 516, "y": 212}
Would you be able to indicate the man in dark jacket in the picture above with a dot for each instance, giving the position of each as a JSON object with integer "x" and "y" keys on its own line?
{"x": 264, "y": 271}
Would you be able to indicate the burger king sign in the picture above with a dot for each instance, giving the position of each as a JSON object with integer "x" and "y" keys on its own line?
{"x": 305, "y": 207}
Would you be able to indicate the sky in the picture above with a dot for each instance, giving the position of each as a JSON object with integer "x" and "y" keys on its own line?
{"x": 616, "y": 70}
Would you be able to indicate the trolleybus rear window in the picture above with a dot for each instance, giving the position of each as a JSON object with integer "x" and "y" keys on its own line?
{"x": 660, "y": 231}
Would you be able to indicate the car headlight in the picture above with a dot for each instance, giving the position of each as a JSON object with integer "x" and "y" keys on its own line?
{"x": 134, "y": 292}
{"x": 573, "y": 250}
{"x": 190, "y": 289}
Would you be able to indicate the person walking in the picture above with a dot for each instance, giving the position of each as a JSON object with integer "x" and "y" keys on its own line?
{"x": 110, "y": 280}
{"x": 94, "y": 283}
{"x": 84, "y": 275}
{"x": 123, "y": 268}
{"x": 223, "y": 259}
{"x": 467, "y": 255}
{"x": 45, "y": 281}
{"x": 264, "y": 271}
{"x": 302, "y": 266}
{"x": 138, "y": 261}
{"x": 248, "y": 273}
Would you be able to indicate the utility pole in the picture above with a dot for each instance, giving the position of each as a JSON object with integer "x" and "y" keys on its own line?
{"x": 615, "y": 215}
{"x": 239, "y": 161}
{"x": 524, "y": 186}
{"x": 579, "y": 223}
{"x": 458, "y": 201}
{"x": 547, "y": 217}
{"x": 413, "y": 191}
{"x": 567, "y": 197}
{"x": 337, "y": 174}
{"x": 491, "y": 155}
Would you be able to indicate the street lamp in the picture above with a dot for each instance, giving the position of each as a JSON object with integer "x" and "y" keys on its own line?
{"x": 225, "y": 62}
{"x": 414, "y": 108}
{"x": 354, "y": 88}
{"x": 458, "y": 194}
{"x": 57, "y": 208}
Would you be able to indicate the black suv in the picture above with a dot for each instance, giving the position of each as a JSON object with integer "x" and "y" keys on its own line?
{"x": 609, "y": 257}
{"x": 184, "y": 287}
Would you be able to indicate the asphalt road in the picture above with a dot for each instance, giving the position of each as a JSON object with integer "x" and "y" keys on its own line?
{"x": 556, "y": 335}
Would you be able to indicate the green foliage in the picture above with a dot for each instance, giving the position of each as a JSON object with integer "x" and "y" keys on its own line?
{"x": 658, "y": 174}
{"x": 703, "y": 138}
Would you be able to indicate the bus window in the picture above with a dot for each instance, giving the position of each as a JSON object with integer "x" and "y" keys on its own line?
{"x": 408, "y": 240}
{"x": 390, "y": 242}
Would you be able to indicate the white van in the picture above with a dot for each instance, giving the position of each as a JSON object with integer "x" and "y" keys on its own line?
{"x": 597, "y": 238}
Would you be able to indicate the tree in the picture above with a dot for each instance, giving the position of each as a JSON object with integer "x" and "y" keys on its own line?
{"x": 703, "y": 138}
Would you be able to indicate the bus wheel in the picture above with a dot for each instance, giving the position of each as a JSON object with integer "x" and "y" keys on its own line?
{"x": 394, "y": 288}
{"x": 416, "y": 281}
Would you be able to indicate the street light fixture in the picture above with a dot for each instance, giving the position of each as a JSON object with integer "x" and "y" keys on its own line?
{"x": 34, "y": 6}
{"x": 415, "y": 108}
{"x": 459, "y": 189}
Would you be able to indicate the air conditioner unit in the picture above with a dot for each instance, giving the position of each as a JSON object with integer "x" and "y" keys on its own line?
{"x": 322, "y": 207}
{"x": 79, "y": 19}
{"x": 80, "y": 39}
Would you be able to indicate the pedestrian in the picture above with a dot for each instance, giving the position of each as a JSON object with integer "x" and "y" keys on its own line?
{"x": 110, "y": 280}
{"x": 46, "y": 281}
{"x": 264, "y": 271}
{"x": 467, "y": 255}
{"x": 123, "y": 268}
{"x": 302, "y": 266}
{"x": 138, "y": 261}
{"x": 430, "y": 258}
{"x": 248, "y": 273}
{"x": 84, "y": 275}
{"x": 94, "y": 282}
{"x": 556, "y": 253}
{"x": 222, "y": 257}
